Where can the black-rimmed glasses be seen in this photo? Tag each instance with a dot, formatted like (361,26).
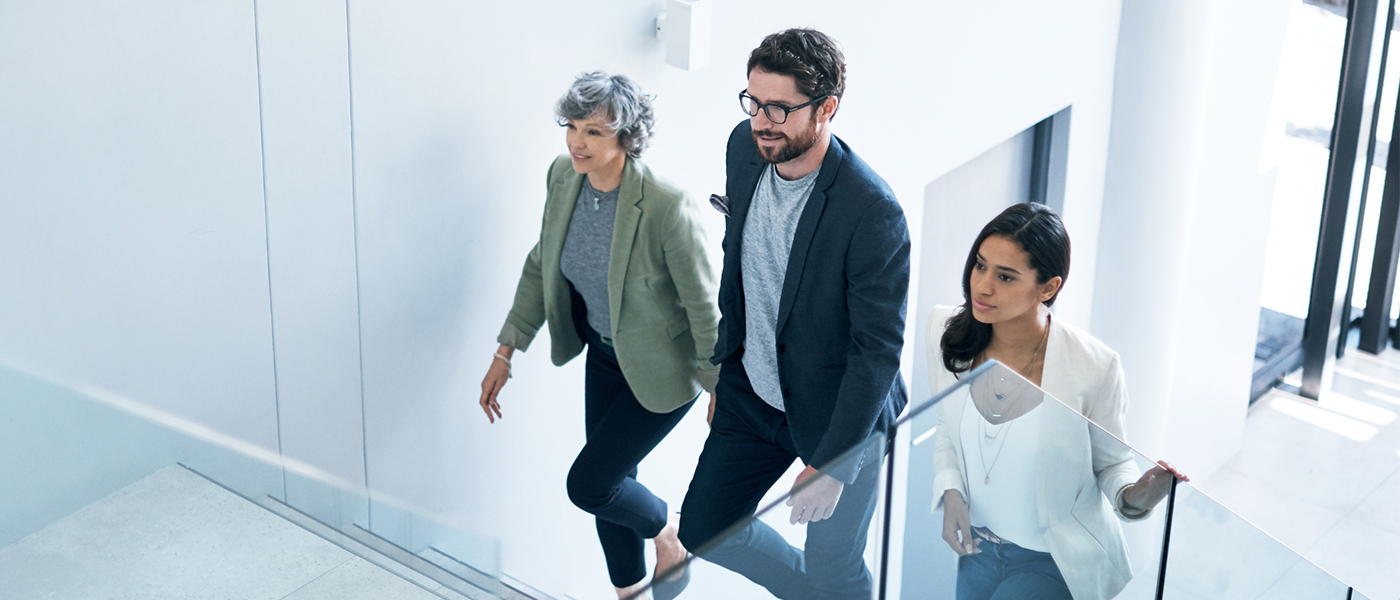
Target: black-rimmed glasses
(777,113)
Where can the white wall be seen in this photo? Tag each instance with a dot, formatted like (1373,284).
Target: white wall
(152,262)
(304,74)
(1188,194)
(133,253)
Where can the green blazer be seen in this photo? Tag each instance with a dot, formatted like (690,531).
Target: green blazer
(661,288)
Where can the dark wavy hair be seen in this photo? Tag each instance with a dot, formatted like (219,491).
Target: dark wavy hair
(810,57)
(1041,234)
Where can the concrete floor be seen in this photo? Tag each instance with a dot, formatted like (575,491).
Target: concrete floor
(174,535)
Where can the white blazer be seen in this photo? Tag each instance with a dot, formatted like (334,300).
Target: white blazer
(1073,458)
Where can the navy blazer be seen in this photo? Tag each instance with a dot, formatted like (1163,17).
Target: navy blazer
(841,313)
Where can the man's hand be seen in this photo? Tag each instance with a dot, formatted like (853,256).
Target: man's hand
(957,524)
(816,501)
(710,416)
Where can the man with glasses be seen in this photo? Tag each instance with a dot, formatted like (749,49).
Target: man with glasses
(812,300)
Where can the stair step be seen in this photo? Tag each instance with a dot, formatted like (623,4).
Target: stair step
(447,578)
(462,570)
(521,590)
(374,554)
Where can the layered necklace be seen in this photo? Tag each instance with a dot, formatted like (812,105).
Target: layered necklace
(992,434)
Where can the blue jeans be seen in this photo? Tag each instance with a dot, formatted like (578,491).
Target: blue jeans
(1006,571)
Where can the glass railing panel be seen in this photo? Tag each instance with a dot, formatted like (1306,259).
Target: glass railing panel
(62,452)
(1036,489)
(77,461)
(1214,553)
(770,555)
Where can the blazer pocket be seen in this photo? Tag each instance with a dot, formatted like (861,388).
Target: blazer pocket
(679,326)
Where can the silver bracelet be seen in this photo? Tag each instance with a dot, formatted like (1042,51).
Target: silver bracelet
(510,371)
(1127,510)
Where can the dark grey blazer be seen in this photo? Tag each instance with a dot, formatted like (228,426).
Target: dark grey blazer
(841,314)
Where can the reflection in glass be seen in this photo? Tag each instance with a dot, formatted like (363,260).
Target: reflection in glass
(1214,553)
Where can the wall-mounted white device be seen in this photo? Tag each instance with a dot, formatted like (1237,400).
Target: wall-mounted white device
(685,28)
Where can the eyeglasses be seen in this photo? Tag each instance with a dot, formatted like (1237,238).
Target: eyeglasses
(777,113)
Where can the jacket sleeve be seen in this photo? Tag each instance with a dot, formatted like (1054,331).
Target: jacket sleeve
(527,312)
(877,288)
(696,284)
(947,466)
(947,461)
(1114,466)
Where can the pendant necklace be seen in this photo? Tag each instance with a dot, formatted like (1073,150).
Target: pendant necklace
(989,438)
(593,193)
(1025,369)
(986,470)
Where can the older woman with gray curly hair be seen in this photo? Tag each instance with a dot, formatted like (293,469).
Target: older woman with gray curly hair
(620,269)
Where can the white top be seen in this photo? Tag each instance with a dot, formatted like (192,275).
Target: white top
(1000,471)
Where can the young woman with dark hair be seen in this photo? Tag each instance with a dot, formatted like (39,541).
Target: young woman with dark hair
(1059,542)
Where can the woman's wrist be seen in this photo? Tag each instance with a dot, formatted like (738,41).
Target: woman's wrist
(1126,504)
(503,355)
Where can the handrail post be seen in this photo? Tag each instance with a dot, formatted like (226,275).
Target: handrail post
(1166,539)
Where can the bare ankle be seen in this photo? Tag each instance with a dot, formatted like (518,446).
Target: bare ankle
(631,592)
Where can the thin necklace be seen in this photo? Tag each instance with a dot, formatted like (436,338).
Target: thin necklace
(593,193)
(987,471)
(983,424)
(1026,369)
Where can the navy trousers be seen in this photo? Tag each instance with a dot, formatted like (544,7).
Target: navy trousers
(603,479)
(748,449)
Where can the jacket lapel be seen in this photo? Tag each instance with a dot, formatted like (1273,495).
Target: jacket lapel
(806,228)
(559,210)
(739,204)
(629,215)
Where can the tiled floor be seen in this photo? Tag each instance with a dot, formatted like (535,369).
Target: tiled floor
(1324,478)
(175,535)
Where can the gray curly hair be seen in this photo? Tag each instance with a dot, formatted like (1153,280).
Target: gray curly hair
(618,99)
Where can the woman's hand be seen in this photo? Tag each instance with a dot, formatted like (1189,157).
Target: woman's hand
(1149,489)
(957,524)
(496,377)
(710,416)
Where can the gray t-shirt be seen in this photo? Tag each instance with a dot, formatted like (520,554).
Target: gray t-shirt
(777,205)
(587,248)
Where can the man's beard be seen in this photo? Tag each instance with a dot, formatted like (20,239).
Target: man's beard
(790,149)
